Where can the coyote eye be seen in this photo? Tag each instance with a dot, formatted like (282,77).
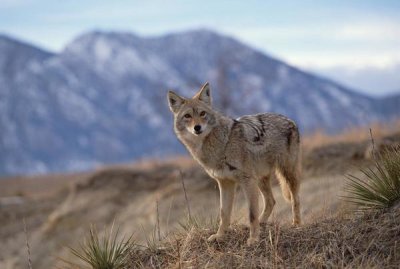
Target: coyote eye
(202,113)
(187,116)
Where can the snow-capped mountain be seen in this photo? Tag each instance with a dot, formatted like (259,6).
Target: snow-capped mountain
(103,98)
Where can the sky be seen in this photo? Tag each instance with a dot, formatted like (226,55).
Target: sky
(356,43)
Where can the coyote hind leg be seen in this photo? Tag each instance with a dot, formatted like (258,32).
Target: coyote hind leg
(269,202)
(292,180)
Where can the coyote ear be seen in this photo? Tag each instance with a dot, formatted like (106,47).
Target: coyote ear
(204,94)
(175,101)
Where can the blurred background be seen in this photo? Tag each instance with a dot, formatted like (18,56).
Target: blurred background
(86,135)
(84,83)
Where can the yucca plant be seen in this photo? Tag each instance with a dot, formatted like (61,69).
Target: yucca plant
(381,186)
(107,252)
(152,243)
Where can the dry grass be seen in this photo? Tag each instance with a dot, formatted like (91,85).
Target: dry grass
(58,215)
(350,135)
(369,241)
(345,241)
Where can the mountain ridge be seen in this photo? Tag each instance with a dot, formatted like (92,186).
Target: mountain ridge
(102,98)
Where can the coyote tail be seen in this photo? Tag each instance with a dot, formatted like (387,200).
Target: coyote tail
(284,185)
(289,171)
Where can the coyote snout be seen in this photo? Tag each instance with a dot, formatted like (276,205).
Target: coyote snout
(197,129)
(248,151)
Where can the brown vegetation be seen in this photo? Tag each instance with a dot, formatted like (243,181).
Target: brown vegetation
(59,215)
(368,241)
(351,135)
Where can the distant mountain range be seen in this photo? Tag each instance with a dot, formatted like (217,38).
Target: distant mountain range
(103,98)
(370,79)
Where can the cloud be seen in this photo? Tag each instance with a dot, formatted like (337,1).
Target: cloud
(348,31)
(356,44)
(351,59)
(378,31)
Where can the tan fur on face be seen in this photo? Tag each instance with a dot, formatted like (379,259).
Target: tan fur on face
(248,151)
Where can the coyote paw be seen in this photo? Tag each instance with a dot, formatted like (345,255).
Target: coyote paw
(252,241)
(296,222)
(215,237)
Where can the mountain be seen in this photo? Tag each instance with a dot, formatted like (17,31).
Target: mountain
(103,98)
(389,105)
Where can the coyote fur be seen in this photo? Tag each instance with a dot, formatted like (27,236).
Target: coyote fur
(248,151)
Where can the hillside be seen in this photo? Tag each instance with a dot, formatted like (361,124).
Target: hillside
(102,99)
(59,215)
(369,241)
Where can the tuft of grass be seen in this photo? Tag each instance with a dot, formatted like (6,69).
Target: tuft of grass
(152,243)
(106,252)
(381,186)
(199,223)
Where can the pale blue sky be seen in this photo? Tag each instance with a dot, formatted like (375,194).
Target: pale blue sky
(315,35)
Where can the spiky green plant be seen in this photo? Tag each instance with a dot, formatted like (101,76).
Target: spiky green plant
(106,252)
(152,243)
(381,186)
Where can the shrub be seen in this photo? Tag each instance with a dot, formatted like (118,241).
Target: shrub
(381,186)
(108,252)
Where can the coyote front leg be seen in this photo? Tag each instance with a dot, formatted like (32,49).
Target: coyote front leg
(226,195)
(251,191)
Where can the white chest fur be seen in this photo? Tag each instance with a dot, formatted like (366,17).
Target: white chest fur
(224,173)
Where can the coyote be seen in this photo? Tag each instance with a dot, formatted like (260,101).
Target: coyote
(248,151)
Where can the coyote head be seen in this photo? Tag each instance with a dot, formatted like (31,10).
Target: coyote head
(193,116)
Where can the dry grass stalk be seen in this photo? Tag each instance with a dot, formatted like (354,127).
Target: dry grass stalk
(186,198)
(28,249)
(158,222)
(373,143)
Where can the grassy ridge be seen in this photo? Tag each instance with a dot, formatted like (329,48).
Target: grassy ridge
(368,241)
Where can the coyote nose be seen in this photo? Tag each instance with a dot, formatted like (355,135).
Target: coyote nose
(197,128)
